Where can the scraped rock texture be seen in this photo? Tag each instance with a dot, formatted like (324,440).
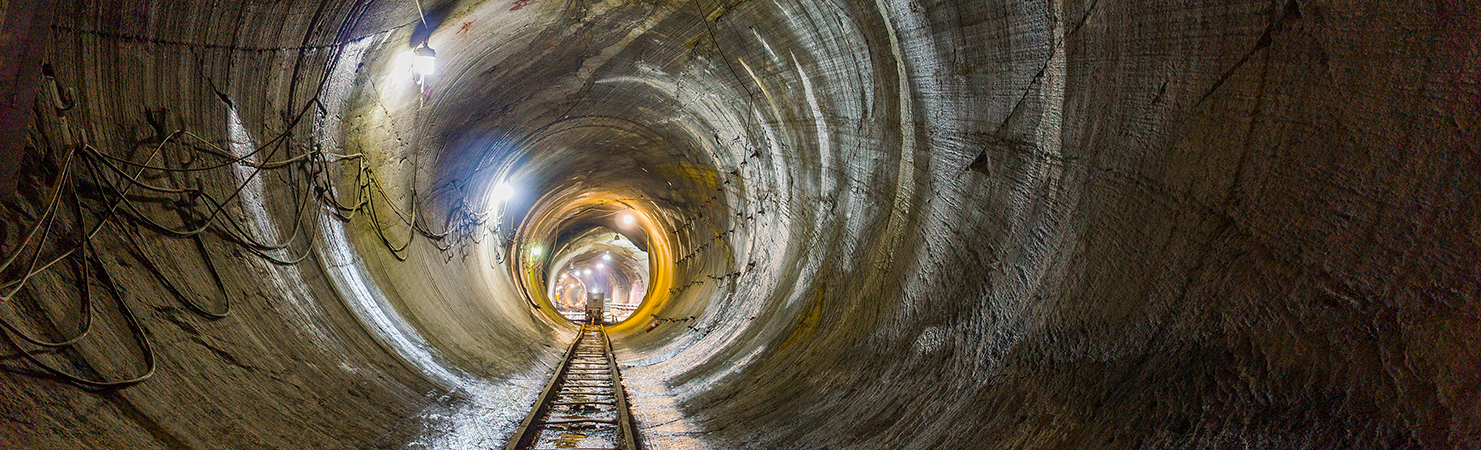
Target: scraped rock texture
(896,224)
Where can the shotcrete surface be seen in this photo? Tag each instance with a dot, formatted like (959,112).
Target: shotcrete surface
(870,224)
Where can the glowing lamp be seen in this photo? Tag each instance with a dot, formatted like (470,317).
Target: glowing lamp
(503,191)
(425,62)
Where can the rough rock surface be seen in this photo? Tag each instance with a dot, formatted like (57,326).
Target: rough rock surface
(874,223)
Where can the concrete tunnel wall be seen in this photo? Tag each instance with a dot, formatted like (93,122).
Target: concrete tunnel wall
(888,224)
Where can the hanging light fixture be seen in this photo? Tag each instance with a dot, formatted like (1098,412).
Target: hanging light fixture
(426,60)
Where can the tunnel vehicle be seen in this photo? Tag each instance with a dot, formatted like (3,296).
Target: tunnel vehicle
(596,309)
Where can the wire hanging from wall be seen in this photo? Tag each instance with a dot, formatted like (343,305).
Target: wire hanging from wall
(127,197)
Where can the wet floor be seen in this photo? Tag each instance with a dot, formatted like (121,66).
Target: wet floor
(487,414)
(480,415)
(660,425)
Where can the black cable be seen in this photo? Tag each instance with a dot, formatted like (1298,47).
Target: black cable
(308,179)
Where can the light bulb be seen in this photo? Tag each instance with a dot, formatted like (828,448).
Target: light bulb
(426,60)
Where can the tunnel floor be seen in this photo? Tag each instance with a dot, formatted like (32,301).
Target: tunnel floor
(585,403)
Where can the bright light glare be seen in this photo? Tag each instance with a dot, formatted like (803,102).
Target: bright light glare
(535,251)
(607,256)
(627,219)
(601,266)
(503,191)
(425,65)
(425,62)
(404,62)
(588,271)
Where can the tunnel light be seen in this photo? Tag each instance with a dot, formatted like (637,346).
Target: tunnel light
(535,251)
(627,219)
(503,191)
(601,266)
(607,256)
(426,60)
(588,271)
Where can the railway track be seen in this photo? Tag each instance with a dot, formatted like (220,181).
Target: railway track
(584,405)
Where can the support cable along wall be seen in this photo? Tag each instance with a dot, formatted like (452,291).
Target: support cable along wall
(92,189)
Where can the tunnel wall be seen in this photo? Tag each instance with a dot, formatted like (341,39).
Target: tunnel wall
(896,224)
(293,362)
(1096,226)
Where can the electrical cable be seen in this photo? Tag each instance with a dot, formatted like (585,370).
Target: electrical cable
(308,177)
(137,250)
(85,300)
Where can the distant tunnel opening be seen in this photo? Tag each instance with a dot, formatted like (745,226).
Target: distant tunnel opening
(601,262)
(611,242)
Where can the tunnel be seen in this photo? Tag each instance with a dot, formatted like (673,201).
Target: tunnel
(860,224)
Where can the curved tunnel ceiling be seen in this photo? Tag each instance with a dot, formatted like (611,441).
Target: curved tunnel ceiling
(870,224)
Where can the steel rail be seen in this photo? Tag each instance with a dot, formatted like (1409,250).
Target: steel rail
(576,392)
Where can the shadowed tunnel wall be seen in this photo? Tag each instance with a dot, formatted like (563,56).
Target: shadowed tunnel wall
(873,224)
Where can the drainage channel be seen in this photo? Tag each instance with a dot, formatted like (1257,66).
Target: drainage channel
(584,405)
